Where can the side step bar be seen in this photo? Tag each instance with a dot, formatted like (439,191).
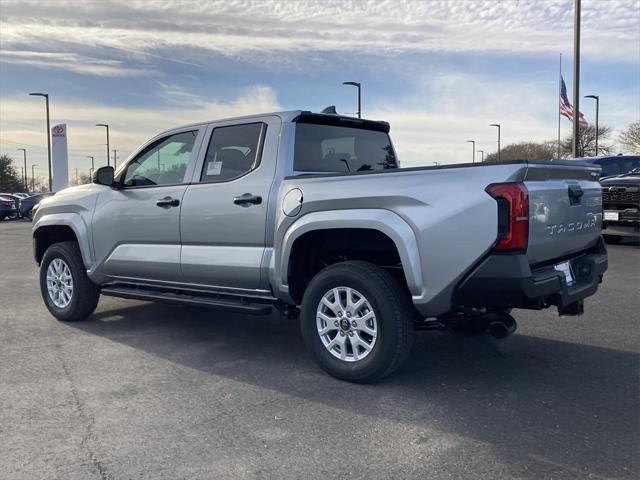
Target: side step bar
(232,305)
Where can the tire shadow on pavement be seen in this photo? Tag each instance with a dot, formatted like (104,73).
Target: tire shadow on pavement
(564,409)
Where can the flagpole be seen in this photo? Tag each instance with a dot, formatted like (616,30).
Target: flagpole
(576,79)
(559,94)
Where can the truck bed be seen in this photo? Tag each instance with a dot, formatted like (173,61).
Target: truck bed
(449,210)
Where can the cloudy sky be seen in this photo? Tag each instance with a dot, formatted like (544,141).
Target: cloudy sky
(438,71)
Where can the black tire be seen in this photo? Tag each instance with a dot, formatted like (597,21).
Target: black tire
(393,310)
(85,295)
(613,239)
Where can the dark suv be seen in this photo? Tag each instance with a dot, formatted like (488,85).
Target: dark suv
(621,205)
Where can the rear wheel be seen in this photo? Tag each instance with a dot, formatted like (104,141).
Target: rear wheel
(66,290)
(357,321)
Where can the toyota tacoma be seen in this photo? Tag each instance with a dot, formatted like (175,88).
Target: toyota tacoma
(311,214)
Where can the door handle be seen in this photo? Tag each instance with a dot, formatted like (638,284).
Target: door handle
(168,202)
(575,194)
(247,198)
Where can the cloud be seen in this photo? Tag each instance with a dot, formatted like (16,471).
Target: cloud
(71,62)
(21,122)
(455,107)
(433,107)
(251,29)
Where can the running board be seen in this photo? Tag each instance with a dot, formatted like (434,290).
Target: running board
(186,299)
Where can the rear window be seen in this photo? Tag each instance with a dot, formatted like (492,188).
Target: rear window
(331,148)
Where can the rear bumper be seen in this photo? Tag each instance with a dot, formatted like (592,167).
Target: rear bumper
(506,281)
(621,229)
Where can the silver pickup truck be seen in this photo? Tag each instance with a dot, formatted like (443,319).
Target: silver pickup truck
(311,214)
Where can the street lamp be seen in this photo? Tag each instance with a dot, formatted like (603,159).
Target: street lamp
(482,152)
(33,177)
(46,97)
(473,144)
(497,125)
(597,99)
(107,127)
(92,166)
(357,84)
(24,152)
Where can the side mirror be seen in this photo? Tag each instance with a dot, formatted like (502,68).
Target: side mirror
(103,176)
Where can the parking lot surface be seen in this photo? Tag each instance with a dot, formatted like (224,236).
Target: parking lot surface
(146,390)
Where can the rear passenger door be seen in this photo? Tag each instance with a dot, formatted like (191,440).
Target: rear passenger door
(224,210)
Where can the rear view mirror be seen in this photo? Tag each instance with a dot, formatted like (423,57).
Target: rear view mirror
(103,176)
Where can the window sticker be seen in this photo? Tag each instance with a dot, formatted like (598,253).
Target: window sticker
(214,168)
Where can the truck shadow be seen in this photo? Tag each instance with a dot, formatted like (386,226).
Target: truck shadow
(524,397)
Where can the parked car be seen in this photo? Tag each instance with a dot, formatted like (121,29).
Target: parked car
(613,165)
(27,204)
(7,207)
(16,200)
(621,204)
(311,214)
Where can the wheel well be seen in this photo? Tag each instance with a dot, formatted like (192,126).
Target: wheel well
(44,237)
(315,250)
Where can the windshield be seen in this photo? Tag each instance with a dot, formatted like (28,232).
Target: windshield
(331,148)
(617,165)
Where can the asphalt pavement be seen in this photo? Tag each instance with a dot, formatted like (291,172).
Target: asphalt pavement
(144,390)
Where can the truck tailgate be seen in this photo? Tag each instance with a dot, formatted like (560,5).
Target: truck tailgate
(565,209)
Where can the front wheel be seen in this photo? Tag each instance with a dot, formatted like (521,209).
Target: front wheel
(357,321)
(66,290)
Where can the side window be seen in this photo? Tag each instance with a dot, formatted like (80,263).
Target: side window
(233,151)
(163,162)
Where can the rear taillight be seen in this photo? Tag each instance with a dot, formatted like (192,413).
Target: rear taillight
(513,215)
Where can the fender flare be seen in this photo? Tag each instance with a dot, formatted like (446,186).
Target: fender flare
(73,221)
(384,221)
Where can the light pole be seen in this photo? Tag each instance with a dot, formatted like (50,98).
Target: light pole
(473,144)
(597,99)
(33,177)
(497,125)
(482,153)
(114,158)
(107,127)
(46,97)
(359,86)
(92,166)
(24,152)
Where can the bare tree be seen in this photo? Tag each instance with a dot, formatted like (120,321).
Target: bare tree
(630,138)
(525,151)
(587,142)
(83,178)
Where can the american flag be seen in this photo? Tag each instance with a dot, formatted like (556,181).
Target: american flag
(566,109)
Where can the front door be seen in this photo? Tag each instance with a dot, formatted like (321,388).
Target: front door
(225,208)
(136,228)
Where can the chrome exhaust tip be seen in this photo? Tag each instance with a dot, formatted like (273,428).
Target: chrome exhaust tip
(503,326)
